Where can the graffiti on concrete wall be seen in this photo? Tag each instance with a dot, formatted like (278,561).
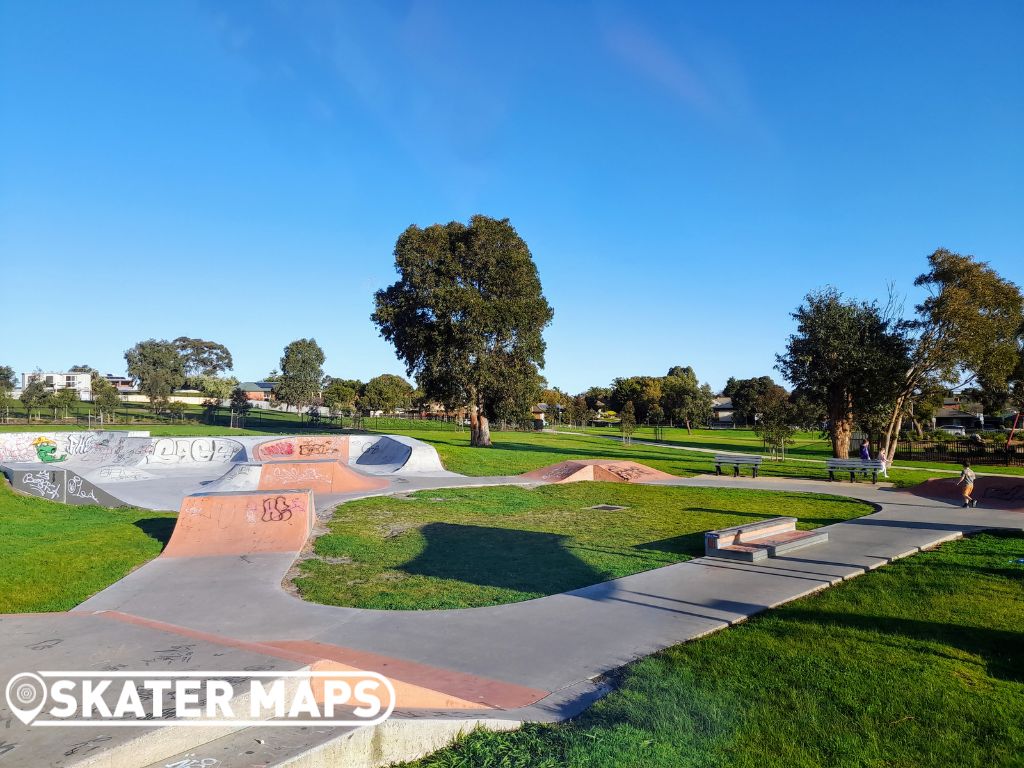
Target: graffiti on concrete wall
(295,474)
(47,450)
(76,488)
(41,484)
(303,448)
(172,450)
(279,448)
(279,509)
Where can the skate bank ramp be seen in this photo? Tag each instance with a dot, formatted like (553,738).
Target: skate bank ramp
(239,523)
(325,477)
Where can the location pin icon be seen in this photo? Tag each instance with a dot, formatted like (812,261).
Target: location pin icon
(26,695)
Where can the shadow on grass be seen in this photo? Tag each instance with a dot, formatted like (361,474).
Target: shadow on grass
(527,561)
(159,528)
(1002,650)
(688,544)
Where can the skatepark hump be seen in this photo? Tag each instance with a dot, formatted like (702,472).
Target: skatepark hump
(601,470)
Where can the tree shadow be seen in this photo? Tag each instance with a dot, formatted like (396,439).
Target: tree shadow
(527,561)
(688,544)
(159,528)
(1002,650)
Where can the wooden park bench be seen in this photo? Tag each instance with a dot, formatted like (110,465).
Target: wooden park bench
(737,461)
(853,466)
(756,541)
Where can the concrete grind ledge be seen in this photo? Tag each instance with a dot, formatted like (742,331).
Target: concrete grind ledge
(393,741)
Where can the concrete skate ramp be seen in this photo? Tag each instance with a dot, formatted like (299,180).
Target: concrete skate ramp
(607,471)
(324,477)
(386,454)
(303,448)
(219,524)
(374,454)
(55,447)
(56,483)
(999,492)
(128,451)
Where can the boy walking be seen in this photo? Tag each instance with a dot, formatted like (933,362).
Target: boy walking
(967,478)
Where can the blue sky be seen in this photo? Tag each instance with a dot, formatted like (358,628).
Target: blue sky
(683,173)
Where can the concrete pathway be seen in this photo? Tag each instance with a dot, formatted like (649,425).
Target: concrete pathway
(536,660)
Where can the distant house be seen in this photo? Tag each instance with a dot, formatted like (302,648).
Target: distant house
(257,390)
(957,413)
(121,383)
(80,382)
(722,412)
(539,413)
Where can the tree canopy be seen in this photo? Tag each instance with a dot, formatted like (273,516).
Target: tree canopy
(386,393)
(466,316)
(340,395)
(202,357)
(968,329)
(158,369)
(302,374)
(745,394)
(845,356)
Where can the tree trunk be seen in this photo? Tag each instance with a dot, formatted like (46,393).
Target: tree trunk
(841,424)
(479,427)
(688,430)
(892,431)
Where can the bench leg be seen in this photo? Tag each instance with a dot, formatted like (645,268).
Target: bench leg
(736,470)
(874,476)
(718,469)
(831,475)
(755,470)
(853,476)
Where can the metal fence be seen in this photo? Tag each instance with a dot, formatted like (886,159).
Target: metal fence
(958,451)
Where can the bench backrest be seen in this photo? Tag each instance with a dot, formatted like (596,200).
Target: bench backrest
(738,459)
(854,464)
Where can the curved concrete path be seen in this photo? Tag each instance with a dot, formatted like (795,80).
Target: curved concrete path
(536,660)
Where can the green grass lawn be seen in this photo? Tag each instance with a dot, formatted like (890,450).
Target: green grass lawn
(460,548)
(53,556)
(920,663)
(807,447)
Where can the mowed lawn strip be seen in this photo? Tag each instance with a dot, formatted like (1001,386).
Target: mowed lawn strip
(920,663)
(460,548)
(53,556)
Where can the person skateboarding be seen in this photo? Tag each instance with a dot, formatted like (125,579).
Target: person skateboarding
(967,478)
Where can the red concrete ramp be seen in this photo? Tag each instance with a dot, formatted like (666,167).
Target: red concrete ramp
(323,477)
(242,523)
(601,470)
(1000,492)
(303,449)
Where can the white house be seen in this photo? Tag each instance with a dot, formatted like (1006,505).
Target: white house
(81,382)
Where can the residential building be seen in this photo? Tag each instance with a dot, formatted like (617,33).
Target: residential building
(53,380)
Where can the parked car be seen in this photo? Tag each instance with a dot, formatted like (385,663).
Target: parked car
(958,431)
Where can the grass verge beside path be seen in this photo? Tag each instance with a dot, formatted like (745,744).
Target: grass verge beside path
(53,556)
(920,663)
(461,548)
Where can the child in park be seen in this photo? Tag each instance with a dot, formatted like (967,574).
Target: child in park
(967,478)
